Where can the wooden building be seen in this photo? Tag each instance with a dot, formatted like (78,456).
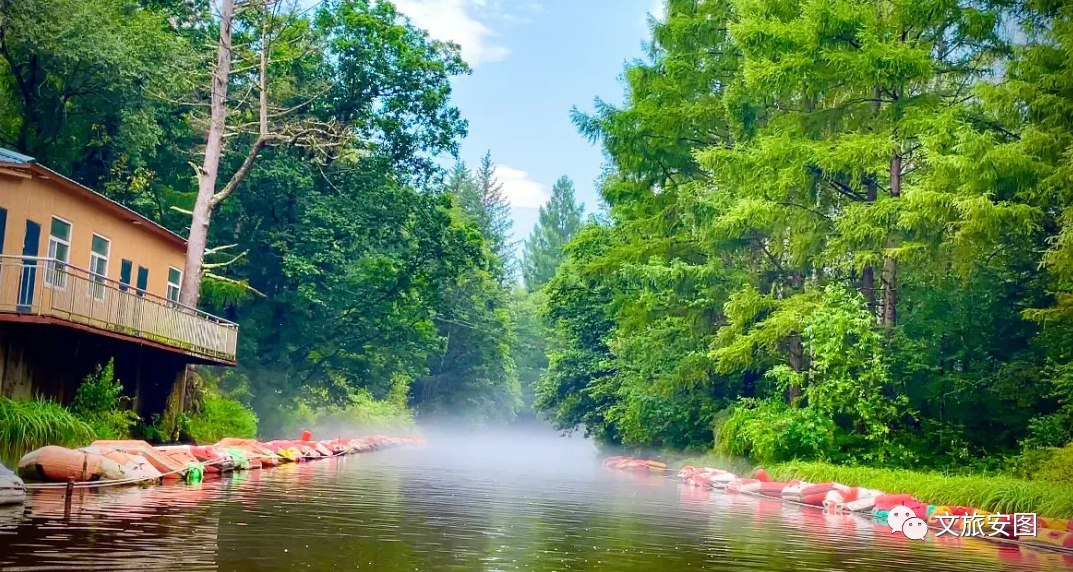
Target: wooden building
(84,279)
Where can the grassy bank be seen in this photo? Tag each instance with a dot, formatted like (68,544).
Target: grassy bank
(991,493)
(27,425)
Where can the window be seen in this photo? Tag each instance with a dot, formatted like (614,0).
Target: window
(28,280)
(125,268)
(98,264)
(143,279)
(59,253)
(175,280)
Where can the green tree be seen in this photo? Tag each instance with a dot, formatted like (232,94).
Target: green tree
(482,200)
(83,85)
(560,220)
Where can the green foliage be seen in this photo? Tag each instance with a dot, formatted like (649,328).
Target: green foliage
(100,402)
(530,347)
(28,425)
(990,493)
(221,416)
(770,431)
(831,213)
(360,413)
(479,196)
(1058,467)
(81,84)
(560,220)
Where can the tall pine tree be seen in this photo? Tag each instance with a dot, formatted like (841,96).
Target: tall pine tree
(560,220)
(484,203)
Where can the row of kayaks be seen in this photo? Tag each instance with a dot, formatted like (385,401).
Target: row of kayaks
(133,461)
(839,498)
(632,464)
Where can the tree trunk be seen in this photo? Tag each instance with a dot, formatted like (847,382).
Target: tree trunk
(868,275)
(871,189)
(199,224)
(890,266)
(796,349)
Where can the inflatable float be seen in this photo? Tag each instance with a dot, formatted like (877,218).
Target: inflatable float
(835,498)
(60,464)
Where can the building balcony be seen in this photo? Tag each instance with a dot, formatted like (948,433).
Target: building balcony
(44,290)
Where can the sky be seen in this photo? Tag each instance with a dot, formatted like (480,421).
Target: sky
(532,61)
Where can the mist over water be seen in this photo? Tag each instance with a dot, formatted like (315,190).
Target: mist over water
(471,499)
(538,452)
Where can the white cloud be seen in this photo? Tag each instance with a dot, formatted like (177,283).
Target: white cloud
(520,189)
(658,9)
(456,21)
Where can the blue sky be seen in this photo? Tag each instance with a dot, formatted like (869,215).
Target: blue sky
(532,61)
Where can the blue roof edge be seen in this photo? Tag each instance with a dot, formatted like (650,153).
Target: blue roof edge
(9,156)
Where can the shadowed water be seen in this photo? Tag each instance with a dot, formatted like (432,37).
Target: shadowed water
(506,502)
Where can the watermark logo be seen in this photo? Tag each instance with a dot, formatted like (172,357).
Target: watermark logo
(904,520)
(988,525)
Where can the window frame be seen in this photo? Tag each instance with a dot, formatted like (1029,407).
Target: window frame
(129,266)
(97,291)
(178,286)
(138,285)
(51,267)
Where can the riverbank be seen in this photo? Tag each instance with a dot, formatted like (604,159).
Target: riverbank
(992,493)
(996,493)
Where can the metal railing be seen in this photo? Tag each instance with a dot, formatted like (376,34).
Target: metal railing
(39,286)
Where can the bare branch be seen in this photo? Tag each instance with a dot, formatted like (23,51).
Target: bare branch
(219,249)
(227,263)
(232,281)
(240,174)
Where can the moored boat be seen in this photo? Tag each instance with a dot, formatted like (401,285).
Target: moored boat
(168,467)
(54,463)
(133,466)
(255,451)
(211,460)
(12,489)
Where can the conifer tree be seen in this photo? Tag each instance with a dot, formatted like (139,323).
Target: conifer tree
(560,220)
(483,202)
(838,99)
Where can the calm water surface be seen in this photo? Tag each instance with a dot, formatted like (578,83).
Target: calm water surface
(506,502)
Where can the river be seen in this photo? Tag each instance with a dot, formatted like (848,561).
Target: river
(487,502)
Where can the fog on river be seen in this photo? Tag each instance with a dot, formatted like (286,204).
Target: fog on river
(489,499)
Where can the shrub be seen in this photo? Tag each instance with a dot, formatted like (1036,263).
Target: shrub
(360,413)
(101,404)
(772,431)
(28,425)
(363,412)
(1057,466)
(220,417)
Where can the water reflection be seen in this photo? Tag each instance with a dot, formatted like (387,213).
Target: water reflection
(465,502)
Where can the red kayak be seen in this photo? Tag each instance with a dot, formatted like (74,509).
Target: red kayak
(774,489)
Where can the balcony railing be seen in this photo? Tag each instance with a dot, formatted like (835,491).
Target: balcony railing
(36,286)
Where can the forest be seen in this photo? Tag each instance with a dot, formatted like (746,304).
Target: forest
(838,230)
(835,230)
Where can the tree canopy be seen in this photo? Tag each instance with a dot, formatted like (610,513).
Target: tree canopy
(559,221)
(827,210)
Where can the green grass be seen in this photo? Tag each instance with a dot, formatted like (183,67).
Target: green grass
(991,493)
(28,425)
